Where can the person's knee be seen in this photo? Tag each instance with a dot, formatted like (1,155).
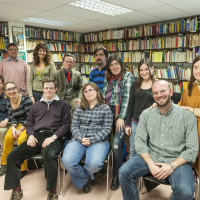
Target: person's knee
(123,172)
(94,167)
(69,163)
(186,192)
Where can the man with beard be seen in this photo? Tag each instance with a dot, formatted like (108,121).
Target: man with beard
(166,143)
(98,73)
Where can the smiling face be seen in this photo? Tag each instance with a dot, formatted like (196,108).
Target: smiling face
(42,53)
(68,63)
(145,72)
(196,70)
(11,91)
(12,52)
(90,94)
(115,68)
(49,90)
(161,93)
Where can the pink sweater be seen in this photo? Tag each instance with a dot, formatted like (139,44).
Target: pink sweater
(17,72)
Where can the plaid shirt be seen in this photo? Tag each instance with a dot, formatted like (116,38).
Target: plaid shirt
(167,136)
(94,124)
(127,81)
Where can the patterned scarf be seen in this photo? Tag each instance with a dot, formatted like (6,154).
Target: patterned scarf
(109,93)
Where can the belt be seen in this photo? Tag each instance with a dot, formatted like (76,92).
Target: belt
(46,130)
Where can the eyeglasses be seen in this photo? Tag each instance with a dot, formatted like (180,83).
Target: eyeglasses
(161,92)
(11,89)
(88,91)
(12,49)
(101,54)
(69,62)
(49,88)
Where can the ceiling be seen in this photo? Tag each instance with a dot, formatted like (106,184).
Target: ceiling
(83,21)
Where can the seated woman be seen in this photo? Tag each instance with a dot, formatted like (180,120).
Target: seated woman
(18,108)
(40,69)
(91,125)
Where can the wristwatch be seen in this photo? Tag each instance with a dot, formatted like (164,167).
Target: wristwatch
(54,137)
(172,166)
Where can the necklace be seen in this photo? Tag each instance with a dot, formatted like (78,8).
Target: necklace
(40,72)
(17,100)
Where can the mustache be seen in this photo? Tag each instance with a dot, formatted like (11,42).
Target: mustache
(99,59)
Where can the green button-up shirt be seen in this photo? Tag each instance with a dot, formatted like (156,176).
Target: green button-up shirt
(168,136)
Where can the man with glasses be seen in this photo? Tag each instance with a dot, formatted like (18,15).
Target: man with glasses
(166,143)
(14,69)
(69,82)
(48,121)
(97,75)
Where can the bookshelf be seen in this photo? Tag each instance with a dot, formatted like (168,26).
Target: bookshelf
(58,42)
(4,39)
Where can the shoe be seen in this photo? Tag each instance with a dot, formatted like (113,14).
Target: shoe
(99,176)
(52,196)
(87,187)
(16,195)
(2,170)
(23,173)
(115,183)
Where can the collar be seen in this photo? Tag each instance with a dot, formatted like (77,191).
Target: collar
(66,72)
(104,69)
(98,104)
(197,82)
(168,112)
(9,59)
(55,99)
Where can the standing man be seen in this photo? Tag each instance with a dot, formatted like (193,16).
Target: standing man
(69,82)
(48,121)
(166,142)
(14,69)
(97,75)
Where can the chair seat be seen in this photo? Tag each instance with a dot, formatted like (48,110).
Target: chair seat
(151,178)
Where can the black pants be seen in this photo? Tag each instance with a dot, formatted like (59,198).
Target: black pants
(23,152)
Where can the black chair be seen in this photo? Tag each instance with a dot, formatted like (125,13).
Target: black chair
(150,182)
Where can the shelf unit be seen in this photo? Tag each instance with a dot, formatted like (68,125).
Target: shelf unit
(4,39)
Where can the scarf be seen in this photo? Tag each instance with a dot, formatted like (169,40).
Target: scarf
(109,93)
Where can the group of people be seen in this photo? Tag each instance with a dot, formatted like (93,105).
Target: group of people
(45,106)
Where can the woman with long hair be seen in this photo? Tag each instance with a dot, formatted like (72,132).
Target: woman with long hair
(18,108)
(40,69)
(91,126)
(140,98)
(190,98)
(116,89)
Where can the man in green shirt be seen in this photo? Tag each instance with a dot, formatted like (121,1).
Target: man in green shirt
(166,142)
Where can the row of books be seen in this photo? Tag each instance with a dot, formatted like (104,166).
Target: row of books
(87,58)
(3,43)
(40,33)
(85,79)
(3,28)
(191,24)
(86,69)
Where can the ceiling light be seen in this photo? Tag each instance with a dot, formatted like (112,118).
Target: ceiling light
(46,21)
(100,6)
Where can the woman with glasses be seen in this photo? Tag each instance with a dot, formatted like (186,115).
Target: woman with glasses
(140,98)
(116,89)
(91,126)
(18,108)
(40,69)
(190,98)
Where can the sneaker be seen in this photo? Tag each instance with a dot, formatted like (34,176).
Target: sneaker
(52,196)
(23,173)
(2,170)
(16,195)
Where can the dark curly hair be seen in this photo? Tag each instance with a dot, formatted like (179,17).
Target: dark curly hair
(47,59)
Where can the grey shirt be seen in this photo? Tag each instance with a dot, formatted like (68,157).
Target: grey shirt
(168,136)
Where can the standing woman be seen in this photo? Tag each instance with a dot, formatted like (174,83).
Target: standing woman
(18,108)
(190,98)
(116,89)
(40,69)
(91,126)
(140,99)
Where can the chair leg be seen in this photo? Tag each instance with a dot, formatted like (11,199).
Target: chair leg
(58,181)
(63,183)
(108,173)
(36,164)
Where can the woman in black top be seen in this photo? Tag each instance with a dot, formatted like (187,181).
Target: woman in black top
(140,98)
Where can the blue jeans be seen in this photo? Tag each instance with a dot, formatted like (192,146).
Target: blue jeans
(94,158)
(132,138)
(181,180)
(37,95)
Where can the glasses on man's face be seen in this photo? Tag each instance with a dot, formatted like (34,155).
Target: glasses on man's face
(88,91)
(69,62)
(49,88)
(12,49)
(100,54)
(10,89)
(160,92)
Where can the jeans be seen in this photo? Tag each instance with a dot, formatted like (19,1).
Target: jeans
(94,158)
(37,95)
(132,138)
(23,152)
(181,180)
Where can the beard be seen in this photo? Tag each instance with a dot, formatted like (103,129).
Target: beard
(165,103)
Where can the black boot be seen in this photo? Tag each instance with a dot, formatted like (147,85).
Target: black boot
(115,183)
(87,186)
